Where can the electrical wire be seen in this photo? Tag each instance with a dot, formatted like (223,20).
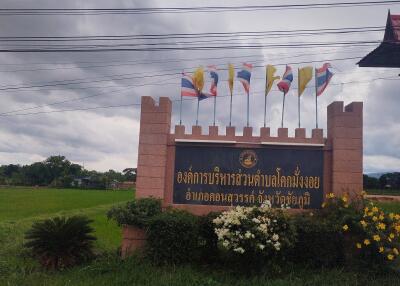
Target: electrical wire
(196,9)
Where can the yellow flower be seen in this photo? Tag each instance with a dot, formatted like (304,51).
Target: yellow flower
(346,205)
(381,249)
(344,199)
(397,216)
(390,256)
(391,235)
(363,223)
(358,245)
(330,195)
(375,209)
(381,225)
(345,227)
(367,242)
(381,217)
(377,237)
(366,209)
(374,218)
(397,228)
(395,251)
(323,205)
(370,214)
(391,215)
(390,240)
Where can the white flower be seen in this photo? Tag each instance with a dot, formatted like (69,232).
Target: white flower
(248,234)
(225,243)
(277,246)
(239,250)
(266,204)
(261,246)
(256,220)
(275,237)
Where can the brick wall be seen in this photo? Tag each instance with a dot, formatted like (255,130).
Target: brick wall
(155,124)
(345,136)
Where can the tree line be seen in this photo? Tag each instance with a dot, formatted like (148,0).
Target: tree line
(385,181)
(57,171)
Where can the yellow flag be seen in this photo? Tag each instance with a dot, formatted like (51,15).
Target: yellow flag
(305,75)
(198,79)
(270,78)
(231,71)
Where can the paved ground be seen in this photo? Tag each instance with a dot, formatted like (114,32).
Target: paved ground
(384,198)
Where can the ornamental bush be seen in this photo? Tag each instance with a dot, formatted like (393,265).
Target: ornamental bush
(319,243)
(377,234)
(61,242)
(136,213)
(207,239)
(173,238)
(365,233)
(255,233)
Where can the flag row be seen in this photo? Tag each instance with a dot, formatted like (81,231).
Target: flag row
(193,84)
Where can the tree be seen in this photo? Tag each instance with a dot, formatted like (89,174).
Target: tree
(370,182)
(130,174)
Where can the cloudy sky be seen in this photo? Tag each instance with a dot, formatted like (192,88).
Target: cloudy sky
(34,86)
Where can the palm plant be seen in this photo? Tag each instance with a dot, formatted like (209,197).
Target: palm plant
(61,241)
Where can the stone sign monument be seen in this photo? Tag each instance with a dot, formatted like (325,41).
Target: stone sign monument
(212,172)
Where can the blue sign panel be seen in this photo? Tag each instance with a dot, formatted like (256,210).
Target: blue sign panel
(221,175)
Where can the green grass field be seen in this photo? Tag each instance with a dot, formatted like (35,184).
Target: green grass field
(20,207)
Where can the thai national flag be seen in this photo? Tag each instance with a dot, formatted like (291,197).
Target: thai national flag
(187,86)
(287,78)
(323,77)
(244,76)
(214,82)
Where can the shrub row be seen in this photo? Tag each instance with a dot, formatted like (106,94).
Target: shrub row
(248,236)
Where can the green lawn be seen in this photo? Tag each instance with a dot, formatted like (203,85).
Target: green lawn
(20,203)
(20,207)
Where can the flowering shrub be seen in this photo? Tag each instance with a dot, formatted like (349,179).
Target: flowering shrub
(381,232)
(255,230)
(374,234)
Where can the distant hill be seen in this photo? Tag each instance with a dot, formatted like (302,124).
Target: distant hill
(376,175)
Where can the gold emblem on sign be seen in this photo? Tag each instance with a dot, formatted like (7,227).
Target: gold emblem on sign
(248,158)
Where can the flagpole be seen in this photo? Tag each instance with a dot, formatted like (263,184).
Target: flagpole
(180,112)
(180,107)
(230,112)
(265,107)
(283,107)
(215,107)
(316,100)
(197,115)
(299,110)
(248,108)
(298,93)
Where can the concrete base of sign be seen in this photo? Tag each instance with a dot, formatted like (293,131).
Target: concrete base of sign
(342,149)
(133,240)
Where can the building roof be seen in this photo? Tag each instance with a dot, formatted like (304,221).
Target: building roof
(387,54)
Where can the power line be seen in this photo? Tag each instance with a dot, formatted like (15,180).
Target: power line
(126,88)
(111,48)
(142,76)
(173,100)
(197,9)
(138,62)
(196,35)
